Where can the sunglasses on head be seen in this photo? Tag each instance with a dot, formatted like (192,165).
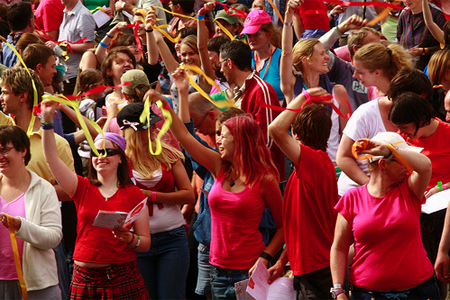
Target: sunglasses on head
(105,152)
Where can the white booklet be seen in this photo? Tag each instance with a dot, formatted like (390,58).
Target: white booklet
(437,202)
(100,17)
(114,219)
(281,289)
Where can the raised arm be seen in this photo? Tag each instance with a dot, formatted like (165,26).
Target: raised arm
(420,177)
(435,30)
(62,173)
(347,163)
(79,135)
(202,41)
(153,54)
(287,79)
(279,129)
(169,61)
(100,51)
(204,156)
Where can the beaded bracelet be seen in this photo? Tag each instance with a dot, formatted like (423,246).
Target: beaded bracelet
(103,44)
(138,242)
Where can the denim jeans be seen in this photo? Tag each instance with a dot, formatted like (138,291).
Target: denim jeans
(165,266)
(204,271)
(223,280)
(63,270)
(426,290)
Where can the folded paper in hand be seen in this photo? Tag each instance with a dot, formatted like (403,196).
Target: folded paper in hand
(114,219)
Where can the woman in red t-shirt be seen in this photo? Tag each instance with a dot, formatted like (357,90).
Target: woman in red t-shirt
(105,260)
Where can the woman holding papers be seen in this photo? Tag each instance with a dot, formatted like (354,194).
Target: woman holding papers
(105,260)
(163,179)
(34,207)
(246,182)
(382,217)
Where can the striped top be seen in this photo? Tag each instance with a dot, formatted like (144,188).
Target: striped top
(410,36)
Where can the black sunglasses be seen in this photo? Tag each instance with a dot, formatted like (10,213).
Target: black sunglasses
(105,152)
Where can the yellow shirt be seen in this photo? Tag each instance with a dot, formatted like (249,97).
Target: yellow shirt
(6,120)
(38,164)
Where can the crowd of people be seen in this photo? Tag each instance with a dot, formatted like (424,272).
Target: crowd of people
(299,134)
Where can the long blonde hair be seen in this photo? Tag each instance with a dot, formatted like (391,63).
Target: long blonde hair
(142,161)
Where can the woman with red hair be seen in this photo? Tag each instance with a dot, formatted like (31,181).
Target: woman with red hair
(246,182)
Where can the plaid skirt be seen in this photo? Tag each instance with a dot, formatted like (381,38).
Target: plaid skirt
(117,281)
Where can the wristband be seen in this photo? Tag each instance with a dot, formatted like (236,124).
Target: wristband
(167,106)
(103,44)
(111,37)
(138,242)
(288,23)
(132,239)
(153,196)
(200,17)
(441,186)
(266,255)
(47,127)
(423,51)
(308,97)
(151,30)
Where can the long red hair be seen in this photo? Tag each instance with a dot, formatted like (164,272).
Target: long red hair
(252,158)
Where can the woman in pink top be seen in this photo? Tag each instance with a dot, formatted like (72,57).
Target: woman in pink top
(246,182)
(383,219)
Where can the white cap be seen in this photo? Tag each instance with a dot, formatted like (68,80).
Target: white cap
(396,140)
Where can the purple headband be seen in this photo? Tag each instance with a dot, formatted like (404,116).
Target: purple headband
(115,138)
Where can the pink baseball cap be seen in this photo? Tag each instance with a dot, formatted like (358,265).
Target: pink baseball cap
(254,21)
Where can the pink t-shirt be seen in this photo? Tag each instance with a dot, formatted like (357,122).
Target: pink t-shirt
(49,15)
(389,250)
(7,265)
(236,242)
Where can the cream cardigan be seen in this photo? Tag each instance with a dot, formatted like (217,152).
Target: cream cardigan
(41,231)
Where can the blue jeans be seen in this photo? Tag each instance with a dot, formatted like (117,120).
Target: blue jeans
(204,271)
(223,280)
(426,290)
(165,266)
(63,270)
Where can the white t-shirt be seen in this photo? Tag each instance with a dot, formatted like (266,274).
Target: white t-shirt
(366,122)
